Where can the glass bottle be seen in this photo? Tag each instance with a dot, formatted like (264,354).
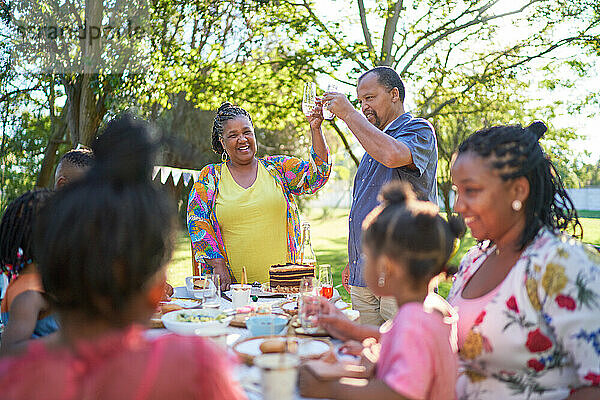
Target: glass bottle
(307,254)
(326,280)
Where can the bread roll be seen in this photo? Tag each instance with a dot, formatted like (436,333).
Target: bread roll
(272,346)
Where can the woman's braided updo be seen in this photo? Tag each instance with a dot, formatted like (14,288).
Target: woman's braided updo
(226,112)
(515,151)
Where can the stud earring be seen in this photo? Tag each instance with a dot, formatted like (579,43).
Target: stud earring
(517,205)
(224,156)
(381,280)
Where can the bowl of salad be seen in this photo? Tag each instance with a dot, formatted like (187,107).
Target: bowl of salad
(188,322)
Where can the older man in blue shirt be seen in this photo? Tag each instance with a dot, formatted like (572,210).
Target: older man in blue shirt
(398,146)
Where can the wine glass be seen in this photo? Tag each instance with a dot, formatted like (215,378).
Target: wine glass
(212,292)
(326,280)
(326,113)
(309,98)
(308,304)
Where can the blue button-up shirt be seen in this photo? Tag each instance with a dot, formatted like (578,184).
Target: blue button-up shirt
(419,136)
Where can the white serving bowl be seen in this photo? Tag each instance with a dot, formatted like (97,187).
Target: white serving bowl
(170,322)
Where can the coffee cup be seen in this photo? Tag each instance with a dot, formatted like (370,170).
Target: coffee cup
(240,295)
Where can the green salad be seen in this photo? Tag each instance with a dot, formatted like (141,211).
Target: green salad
(185,317)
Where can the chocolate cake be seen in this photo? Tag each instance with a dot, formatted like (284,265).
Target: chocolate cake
(287,277)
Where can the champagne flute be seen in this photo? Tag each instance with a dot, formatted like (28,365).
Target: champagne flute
(326,113)
(309,98)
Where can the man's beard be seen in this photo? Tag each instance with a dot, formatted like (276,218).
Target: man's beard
(377,122)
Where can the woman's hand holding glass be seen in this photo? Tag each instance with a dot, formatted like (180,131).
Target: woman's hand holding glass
(220,268)
(315,117)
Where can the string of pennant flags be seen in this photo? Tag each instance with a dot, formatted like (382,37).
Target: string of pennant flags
(163,173)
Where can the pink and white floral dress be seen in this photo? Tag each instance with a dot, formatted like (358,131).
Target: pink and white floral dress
(539,336)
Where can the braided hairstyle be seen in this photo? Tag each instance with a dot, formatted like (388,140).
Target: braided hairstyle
(16,238)
(411,230)
(515,151)
(226,112)
(106,236)
(79,158)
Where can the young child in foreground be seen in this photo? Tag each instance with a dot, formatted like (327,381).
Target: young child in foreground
(405,243)
(102,245)
(25,310)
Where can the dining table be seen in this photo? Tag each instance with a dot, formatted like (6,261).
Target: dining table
(249,376)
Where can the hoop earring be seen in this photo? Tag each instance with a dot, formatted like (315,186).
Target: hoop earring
(517,205)
(224,156)
(381,280)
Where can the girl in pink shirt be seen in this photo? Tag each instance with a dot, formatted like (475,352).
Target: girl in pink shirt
(102,245)
(405,243)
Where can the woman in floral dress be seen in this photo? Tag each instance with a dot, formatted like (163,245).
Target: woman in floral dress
(528,296)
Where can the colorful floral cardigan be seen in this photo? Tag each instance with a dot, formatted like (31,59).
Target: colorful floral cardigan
(539,337)
(293,175)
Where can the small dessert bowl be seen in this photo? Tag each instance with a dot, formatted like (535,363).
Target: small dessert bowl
(263,325)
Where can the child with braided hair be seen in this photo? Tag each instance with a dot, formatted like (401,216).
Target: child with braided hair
(25,310)
(405,244)
(102,245)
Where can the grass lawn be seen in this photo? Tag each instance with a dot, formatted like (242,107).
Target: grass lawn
(329,234)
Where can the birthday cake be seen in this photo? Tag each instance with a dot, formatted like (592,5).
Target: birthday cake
(287,277)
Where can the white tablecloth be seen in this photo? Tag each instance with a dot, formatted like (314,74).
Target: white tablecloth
(248,376)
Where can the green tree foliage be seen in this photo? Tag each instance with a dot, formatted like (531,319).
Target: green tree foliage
(191,56)
(454,81)
(22,153)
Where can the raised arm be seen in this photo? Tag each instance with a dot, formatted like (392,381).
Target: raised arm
(315,119)
(383,148)
(302,177)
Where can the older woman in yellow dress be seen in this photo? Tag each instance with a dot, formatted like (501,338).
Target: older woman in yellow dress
(242,211)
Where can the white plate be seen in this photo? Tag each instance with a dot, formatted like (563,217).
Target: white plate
(185,303)
(307,348)
(189,328)
(290,306)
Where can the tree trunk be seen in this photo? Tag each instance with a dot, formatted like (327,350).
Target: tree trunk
(59,127)
(89,118)
(91,49)
(389,32)
(85,108)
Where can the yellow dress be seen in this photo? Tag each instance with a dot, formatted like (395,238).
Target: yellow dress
(253,224)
